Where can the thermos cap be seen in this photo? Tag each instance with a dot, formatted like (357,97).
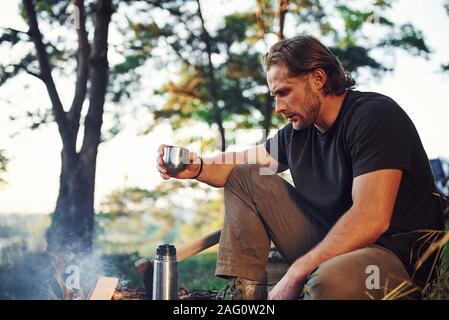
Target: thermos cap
(166,250)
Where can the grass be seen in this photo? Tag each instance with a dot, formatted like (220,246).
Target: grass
(440,288)
(195,273)
(198,273)
(25,268)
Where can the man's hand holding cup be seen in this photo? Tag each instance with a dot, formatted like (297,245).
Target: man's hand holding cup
(178,162)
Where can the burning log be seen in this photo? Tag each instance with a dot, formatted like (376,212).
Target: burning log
(184,294)
(129,294)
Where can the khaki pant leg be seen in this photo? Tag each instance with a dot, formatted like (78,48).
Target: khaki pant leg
(353,276)
(260,208)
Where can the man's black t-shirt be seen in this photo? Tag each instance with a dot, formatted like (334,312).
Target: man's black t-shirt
(371,132)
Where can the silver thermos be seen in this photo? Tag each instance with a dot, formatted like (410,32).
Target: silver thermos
(165,276)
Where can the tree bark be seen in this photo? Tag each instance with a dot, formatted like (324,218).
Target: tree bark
(268,106)
(71,230)
(262,30)
(283,8)
(267,115)
(45,71)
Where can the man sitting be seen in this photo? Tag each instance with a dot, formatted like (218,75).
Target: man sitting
(363,195)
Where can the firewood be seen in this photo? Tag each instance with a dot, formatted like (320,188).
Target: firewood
(145,269)
(105,288)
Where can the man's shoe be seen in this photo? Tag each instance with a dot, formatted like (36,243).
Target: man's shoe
(244,289)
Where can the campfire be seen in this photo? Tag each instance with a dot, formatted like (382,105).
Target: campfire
(109,288)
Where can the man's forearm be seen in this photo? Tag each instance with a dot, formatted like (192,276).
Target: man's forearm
(353,231)
(217,169)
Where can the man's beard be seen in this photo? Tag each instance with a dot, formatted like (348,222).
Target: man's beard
(311,110)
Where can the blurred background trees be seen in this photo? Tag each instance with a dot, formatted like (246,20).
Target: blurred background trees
(219,78)
(233,82)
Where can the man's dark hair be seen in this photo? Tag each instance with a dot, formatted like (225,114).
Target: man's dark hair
(303,54)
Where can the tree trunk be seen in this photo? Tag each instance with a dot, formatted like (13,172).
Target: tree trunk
(72,228)
(222,133)
(267,115)
(217,112)
(283,8)
(280,14)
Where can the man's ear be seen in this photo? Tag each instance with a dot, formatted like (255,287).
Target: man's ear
(319,78)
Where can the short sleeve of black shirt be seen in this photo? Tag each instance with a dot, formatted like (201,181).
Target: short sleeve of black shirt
(278,146)
(380,136)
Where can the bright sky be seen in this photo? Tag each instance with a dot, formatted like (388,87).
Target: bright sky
(33,173)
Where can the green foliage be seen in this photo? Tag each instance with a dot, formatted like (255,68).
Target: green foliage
(353,19)
(207,216)
(235,29)
(62,50)
(439,289)
(11,36)
(24,63)
(124,76)
(409,39)
(355,57)
(141,233)
(309,11)
(198,273)
(56,10)
(135,219)
(178,40)
(239,77)
(129,200)
(21,234)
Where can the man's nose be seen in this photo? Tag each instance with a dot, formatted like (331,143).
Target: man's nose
(278,106)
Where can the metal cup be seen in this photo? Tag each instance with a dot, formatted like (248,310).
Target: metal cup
(176,159)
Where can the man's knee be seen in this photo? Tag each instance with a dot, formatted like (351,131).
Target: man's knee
(355,276)
(331,282)
(252,175)
(244,170)
(242,175)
